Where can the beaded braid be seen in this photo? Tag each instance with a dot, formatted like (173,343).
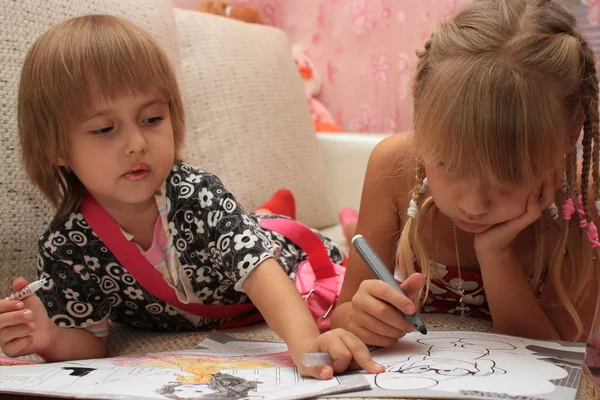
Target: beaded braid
(570,174)
(553,209)
(419,189)
(595,172)
(590,142)
(423,68)
(421,179)
(410,247)
(410,242)
(585,173)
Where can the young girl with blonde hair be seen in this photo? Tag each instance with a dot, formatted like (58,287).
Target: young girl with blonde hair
(483,210)
(140,237)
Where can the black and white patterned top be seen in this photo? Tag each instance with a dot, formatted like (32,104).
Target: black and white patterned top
(218,244)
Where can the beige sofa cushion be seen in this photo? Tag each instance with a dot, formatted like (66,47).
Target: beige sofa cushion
(23,212)
(248,121)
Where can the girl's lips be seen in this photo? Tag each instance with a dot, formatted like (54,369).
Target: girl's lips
(471,225)
(139,166)
(138,172)
(136,175)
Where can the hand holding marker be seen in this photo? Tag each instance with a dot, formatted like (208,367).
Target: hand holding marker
(366,252)
(27,290)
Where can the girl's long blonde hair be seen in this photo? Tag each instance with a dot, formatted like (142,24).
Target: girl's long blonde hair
(495,91)
(67,69)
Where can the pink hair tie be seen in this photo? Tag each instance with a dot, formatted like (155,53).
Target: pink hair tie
(582,220)
(568,209)
(592,235)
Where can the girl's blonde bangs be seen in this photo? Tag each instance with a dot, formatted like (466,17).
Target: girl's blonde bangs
(485,119)
(100,61)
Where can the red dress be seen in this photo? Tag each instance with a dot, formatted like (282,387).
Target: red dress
(444,297)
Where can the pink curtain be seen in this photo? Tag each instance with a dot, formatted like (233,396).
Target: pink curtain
(364,51)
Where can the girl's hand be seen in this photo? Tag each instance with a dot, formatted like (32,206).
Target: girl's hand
(496,240)
(25,327)
(374,317)
(343,347)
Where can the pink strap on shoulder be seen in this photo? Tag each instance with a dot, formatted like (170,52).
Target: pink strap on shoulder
(136,264)
(307,240)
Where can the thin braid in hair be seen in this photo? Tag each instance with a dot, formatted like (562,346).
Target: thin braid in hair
(585,168)
(568,207)
(416,192)
(571,175)
(590,108)
(595,172)
(590,137)
(413,208)
(410,241)
(423,60)
(422,69)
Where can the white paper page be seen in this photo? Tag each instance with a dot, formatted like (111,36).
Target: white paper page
(477,366)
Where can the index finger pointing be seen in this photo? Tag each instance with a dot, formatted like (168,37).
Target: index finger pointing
(361,354)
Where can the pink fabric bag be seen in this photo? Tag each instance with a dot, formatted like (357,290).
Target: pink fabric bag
(318,279)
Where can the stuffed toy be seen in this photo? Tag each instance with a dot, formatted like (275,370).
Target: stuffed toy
(226,9)
(322,119)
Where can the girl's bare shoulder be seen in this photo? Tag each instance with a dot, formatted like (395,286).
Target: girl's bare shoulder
(394,159)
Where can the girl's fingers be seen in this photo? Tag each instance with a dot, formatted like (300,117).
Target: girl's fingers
(370,337)
(14,332)
(532,212)
(19,283)
(378,326)
(8,306)
(360,354)
(383,302)
(323,372)
(11,318)
(548,195)
(17,347)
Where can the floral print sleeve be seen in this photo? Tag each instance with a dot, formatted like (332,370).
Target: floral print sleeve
(72,295)
(217,226)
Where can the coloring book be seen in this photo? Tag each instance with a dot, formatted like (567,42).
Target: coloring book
(475,365)
(441,364)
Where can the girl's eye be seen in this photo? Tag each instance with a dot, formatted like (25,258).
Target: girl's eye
(152,120)
(102,131)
